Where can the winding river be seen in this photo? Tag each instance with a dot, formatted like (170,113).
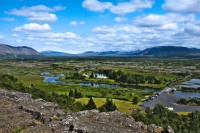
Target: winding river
(55,80)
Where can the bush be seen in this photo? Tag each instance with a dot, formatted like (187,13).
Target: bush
(91,104)
(135,100)
(108,106)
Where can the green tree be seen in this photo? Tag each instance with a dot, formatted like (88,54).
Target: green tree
(135,100)
(108,106)
(71,93)
(195,121)
(91,104)
(77,94)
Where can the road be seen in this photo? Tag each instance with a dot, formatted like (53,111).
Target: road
(169,101)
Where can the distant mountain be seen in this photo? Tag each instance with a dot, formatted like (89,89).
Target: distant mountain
(10,50)
(109,53)
(160,51)
(169,51)
(55,53)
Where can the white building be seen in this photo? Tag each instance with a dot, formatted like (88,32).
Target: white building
(170,108)
(99,76)
(87,76)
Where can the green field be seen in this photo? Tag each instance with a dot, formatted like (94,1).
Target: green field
(29,72)
(123,106)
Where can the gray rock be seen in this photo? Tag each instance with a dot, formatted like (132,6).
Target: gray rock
(170,130)
(20,110)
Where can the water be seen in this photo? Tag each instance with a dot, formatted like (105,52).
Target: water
(52,79)
(186,94)
(55,79)
(193,83)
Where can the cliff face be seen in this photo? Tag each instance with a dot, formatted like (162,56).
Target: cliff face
(9,50)
(19,112)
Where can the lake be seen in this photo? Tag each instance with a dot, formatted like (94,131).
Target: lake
(193,83)
(55,79)
(186,95)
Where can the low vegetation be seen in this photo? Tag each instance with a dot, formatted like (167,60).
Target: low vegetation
(163,117)
(191,102)
(64,101)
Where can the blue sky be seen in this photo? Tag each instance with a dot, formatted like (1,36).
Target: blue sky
(75,26)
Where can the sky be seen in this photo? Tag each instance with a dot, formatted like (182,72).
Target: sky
(76,26)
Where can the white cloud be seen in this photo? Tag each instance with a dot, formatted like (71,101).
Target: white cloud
(120,19)
(75,23)
(96,6)
(121,8)
(155,20)
(169,26)
(24,11)
(1,36)
(42,16)
(124,29)
(37,13)
(33,27)
(65,41)
(67,35)
(191,6)
(132,6)
(139,37)
(103,29)
(14,35)
(7,19)
(193,29)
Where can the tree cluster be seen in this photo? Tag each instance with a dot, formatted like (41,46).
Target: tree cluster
(108,106)
(75,93)
(161,116)
(90,105)
(75,76)
(120,76)
(135,100)
(192,101)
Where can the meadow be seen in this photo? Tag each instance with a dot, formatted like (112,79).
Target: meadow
(152,73)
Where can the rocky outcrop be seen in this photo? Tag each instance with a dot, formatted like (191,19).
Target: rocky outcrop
(22,113)
(10,50)
(170,130)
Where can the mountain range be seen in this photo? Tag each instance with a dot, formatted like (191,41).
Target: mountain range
(161,51)
(23,50)
(55,53)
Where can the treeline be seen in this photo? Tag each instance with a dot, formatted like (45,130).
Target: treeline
(161,116)
(193,101)
(75,94)
(75,76)
(64,101)
(120,76)
(190,89)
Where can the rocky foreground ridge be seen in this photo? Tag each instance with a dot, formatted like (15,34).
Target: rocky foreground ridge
(19,112)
